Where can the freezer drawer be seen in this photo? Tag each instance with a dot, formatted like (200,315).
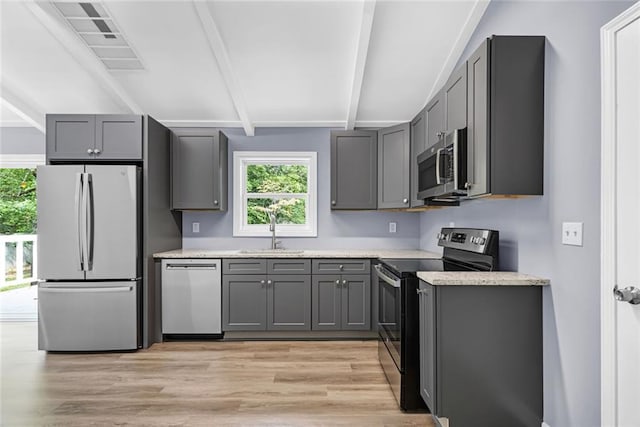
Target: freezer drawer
(88,316)
(191,296)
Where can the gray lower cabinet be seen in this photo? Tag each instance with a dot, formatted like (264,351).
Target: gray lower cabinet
(354,169)
(481,354)
(341,302)
(393,167)
(259,301)
(199,169)
(100,137)
(341,294)
(505,113)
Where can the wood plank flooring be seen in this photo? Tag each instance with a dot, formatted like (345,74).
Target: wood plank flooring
(250,383)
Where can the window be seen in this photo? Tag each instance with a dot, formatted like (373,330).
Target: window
(282,183)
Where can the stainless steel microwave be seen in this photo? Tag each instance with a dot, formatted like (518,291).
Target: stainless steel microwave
(442,168)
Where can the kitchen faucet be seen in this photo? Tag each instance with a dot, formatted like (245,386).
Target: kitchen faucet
(272,229)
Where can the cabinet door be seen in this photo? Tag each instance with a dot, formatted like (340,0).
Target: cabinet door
(435,118)
(356,302)
(477,126)
(196,175)
(354,170)
(393,167)
(427,345)
(289,302)
(325,294)
(418,145)
(70,136)
(455,100)
(118,137)
(244,302)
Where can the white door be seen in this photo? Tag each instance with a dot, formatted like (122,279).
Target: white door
(621,220)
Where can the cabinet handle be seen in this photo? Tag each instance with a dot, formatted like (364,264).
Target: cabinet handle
(262,282)
(96,151)
(344,282)
(405,200)
(269,282)
(333,203)
(467,185)
(421,291)
(215,202)
(338,282)
(89,151)
(341,267)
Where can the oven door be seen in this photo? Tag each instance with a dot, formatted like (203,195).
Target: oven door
(390,313)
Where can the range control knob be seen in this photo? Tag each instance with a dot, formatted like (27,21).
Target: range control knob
(481,240)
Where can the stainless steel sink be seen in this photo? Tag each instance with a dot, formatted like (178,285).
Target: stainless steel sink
(270,251)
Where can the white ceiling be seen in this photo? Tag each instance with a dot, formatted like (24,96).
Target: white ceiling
(238,63)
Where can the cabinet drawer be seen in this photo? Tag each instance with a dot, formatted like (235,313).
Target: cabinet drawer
(342,266)
(289,266)
(244,266)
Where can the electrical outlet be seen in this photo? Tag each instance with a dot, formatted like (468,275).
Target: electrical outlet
(392,227)
(195,227)
(572,233)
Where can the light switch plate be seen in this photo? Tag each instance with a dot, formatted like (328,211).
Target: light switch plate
(392,227)
(195,227)
(572,233)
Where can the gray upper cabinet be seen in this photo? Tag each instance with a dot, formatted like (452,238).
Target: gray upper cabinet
(393,167)
(198,169)
(418,135)
(435,118)
(505,114)
(118,137)
(455,100)
(354,169)
(94,137)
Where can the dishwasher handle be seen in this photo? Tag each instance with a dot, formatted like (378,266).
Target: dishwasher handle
(179,266)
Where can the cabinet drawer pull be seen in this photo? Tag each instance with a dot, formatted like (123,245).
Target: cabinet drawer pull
(338,282)
(344,282)
(97,151)
(89,151)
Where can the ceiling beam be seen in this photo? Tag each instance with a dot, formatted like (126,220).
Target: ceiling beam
(366,24)
(52,20)
(219,51)
(459,45)
(22,108)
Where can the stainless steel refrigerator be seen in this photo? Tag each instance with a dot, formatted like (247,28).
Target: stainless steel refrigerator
(89,234)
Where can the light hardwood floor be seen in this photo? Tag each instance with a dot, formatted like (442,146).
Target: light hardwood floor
(277,383)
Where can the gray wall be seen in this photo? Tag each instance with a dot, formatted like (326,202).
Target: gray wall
(355,229)
(531,228)
(21,140)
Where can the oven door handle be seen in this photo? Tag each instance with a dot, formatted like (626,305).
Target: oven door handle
(393,282)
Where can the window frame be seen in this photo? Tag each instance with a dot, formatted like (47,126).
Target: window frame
(241,159)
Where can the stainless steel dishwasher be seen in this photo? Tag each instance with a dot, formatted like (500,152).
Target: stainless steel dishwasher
(191,296)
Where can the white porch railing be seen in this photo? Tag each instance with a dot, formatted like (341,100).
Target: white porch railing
(18,265)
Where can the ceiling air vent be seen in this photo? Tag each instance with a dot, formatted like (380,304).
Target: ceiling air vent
(96,27)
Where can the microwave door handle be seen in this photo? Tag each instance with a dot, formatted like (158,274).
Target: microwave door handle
(438,165)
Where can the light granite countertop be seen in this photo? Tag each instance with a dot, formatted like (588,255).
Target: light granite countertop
(480,278)
(292,253)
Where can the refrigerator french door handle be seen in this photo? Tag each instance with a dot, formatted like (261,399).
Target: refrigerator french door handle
(89,206)
(83,211)
(79,221)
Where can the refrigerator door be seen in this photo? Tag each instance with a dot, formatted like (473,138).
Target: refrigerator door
(94,316)
(60,234)
(112,221)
